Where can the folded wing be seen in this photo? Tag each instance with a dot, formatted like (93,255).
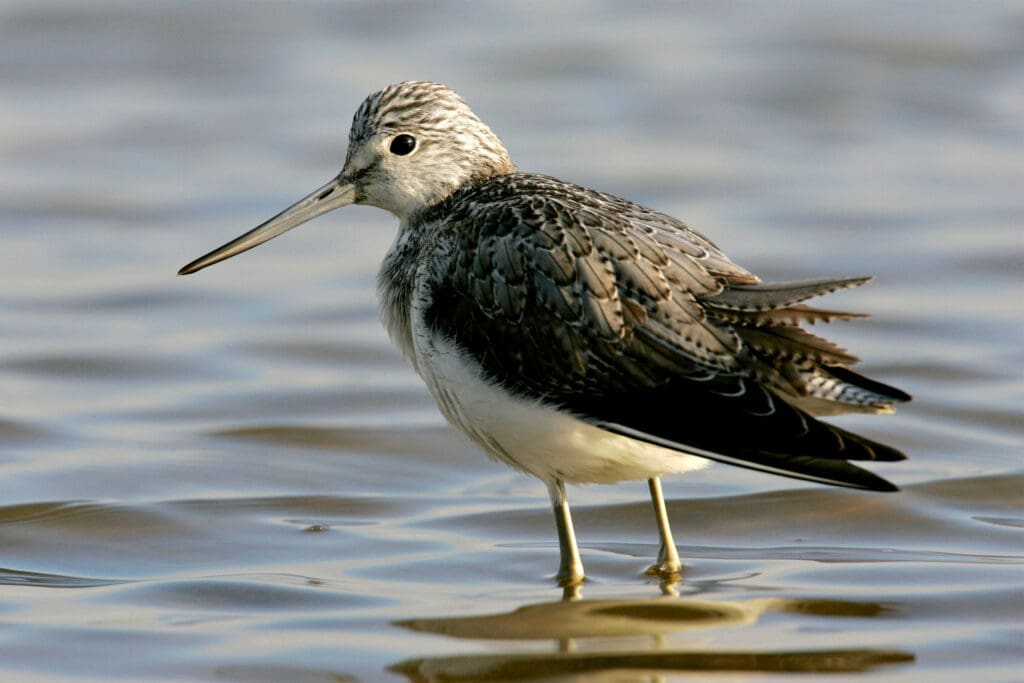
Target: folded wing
(631,321)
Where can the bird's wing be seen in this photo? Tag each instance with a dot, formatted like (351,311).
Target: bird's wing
(633,322)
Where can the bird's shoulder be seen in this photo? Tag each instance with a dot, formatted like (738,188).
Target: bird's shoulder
(543,212)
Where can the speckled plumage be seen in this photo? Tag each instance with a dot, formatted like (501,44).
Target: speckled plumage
(604,309)
(579,336)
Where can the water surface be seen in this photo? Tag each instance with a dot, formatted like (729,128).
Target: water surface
(234,477)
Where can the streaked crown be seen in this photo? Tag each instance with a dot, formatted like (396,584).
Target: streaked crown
(412,144)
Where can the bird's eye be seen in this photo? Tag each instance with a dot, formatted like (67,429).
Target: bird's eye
(403,144)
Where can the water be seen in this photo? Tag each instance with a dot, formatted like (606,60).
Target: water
(233,476)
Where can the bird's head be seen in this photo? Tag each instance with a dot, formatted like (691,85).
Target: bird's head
(410,146)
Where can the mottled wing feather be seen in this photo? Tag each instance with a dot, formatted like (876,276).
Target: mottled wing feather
(775,295)
(834,389)
(794,343)
(790,316)
(630,320)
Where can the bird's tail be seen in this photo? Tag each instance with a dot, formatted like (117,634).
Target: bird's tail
(804,369)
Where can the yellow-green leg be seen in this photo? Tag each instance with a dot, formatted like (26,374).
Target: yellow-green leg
(668,556)
(570,568)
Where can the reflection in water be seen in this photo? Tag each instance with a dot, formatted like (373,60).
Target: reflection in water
(622,665)
(572,618)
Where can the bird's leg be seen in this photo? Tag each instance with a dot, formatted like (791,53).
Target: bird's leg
(570,568)
(668,556)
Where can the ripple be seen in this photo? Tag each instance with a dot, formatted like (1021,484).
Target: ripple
(97,367)
(1014,522)
(14,432)
(241,594)
(15,577)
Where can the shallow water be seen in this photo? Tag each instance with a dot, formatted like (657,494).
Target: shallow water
(234,477)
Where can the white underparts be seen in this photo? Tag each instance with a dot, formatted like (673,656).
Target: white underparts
(528,435)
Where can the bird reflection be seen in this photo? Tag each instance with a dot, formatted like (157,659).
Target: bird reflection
(598,640)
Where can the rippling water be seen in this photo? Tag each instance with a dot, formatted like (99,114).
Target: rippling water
(234,477)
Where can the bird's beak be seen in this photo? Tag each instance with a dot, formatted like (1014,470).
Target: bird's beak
(333,195)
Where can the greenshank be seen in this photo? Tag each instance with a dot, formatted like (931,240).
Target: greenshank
(580,337)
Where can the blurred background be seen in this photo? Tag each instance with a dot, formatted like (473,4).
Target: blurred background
(233,476)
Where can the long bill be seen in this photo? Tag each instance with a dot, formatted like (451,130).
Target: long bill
(335,194)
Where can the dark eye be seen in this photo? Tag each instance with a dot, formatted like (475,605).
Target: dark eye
(403,144)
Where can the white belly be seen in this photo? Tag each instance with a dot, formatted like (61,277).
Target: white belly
(530,437)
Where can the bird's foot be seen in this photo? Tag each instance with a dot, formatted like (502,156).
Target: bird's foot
(665,570)
(669,575)
(668,566)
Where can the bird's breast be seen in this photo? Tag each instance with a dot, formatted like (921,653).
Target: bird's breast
(396,286)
